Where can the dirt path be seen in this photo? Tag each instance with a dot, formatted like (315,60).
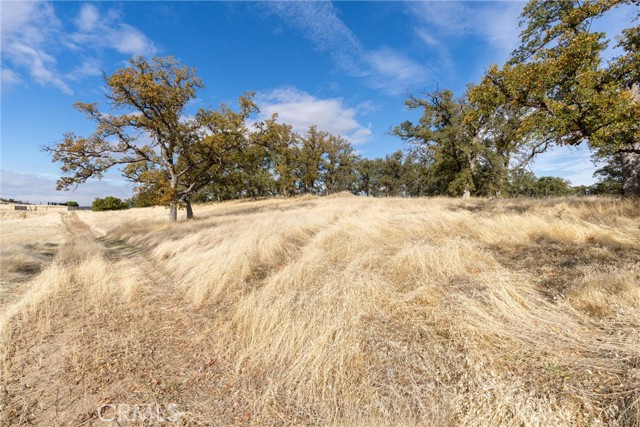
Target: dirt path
(75,225)
(178,360)
(155,349)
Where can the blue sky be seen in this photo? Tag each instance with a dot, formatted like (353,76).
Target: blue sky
(346,66)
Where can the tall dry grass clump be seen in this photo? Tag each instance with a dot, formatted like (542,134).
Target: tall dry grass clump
(358,311)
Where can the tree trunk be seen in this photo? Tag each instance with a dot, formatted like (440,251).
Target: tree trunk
(173,211)
(472,167)
(187,201)
(631,171)
(631,160)
(173,205)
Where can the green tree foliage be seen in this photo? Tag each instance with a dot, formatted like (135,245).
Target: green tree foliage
(337,167)
(416,177)
(72,203)
(367,175)
(556,89)
(478,144)
(569,93)
(282,152)
(391,178)
(523,183)
(450,142)
(218,138)
(310,159)
(610,176)
(505,149)
(183,154)
(467,145)
(278,162)
(224,142)
(109,203)
(553,186)
(253,173)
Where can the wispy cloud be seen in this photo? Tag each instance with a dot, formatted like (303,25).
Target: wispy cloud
(37,188)
(33,36)
(435,46)
(108,31)
(320,24)
(393,70)
(384,68)
(87,68)
(9,77)
(27,31)
(301,110)
(495,23)
(88,18)
(572,163)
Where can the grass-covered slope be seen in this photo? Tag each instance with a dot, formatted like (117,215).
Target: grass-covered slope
(343,311)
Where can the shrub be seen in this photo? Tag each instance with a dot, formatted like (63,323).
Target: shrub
(109,203)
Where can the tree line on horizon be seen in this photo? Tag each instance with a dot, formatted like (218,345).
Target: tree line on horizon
(320,163)
(399,174)
(556,89)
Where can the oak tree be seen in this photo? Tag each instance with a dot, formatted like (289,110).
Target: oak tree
(151,96)
(569,92)
(166,154)
(452,143)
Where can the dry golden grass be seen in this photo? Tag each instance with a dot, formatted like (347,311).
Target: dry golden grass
(28,242)
(341,310)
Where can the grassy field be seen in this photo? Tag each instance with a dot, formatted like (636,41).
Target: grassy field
(325,311)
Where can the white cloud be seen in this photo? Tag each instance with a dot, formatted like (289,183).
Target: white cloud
(27,28)
(443,55)
(494,22)
(572,163)
(30,20)
(394,70)
(36,188)
(88,18)
(88,68)
(361,136)
(9,78)
(320,24)
(129,40)
(32,36)
(301,110)
(384,68)
(107,31)
(367,107)
(426,38)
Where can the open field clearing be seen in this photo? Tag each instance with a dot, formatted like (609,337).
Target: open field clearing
(28,242)
(326,311)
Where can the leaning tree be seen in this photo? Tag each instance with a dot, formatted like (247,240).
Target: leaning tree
(165,153)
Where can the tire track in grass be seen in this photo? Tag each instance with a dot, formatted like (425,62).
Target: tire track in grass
(189,366)
(155,349)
